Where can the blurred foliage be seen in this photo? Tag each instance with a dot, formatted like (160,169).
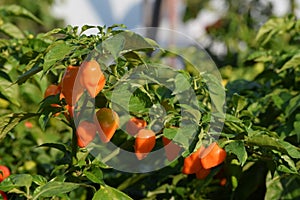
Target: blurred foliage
(235,29)
(261,134)
(40,9)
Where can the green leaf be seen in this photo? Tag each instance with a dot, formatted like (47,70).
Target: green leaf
(39,179)
(285,169)
(127,41)
(86,27)
(273,27)
(239,101)
(109,193)
(9,121)
(292,150)
(193,111)
(267,31)
(216,93)
(46,110)
(112,29)
(151,42)
(54,31)
(96,175)
(60,147)
(231,118)
(282,186)
(56,53)
(43,120)
(114,45)
(136,104)
(11,30)
(280,97)
(274,186)
(185,134)
(181,84)
(297,129)
(292,106)
(293,62)
(260,56)
(291,187)
(133,57)
(134,41)
(34,70)
(54,188)
(237,147)
(290,164)
(121,95)
(170,132)
(265,141)
(10,91)
(15,181)
(18,11)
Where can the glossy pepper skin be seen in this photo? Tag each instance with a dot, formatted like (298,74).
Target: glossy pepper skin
(212,156)
(192,163)
(86,132)
(5,172)
(52,90)
(201,161)
(134,125)
(107,122)
(144,142)
(91,77)
(71,88)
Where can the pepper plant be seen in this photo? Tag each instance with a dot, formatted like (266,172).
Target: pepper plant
(39,134)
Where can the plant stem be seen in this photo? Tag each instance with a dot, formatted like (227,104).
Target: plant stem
(74,146)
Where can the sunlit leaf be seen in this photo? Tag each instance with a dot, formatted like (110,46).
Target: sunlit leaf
(181,84)
(114,45)
(39,179)
(239,101)
(110,193)
(15,181)
(274,186)
(293,62)
(19,11)
(293,151)
(54,188)
(9,121)
(11,30)
(56,53)
(10,91)
(266,141)
(95,175)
